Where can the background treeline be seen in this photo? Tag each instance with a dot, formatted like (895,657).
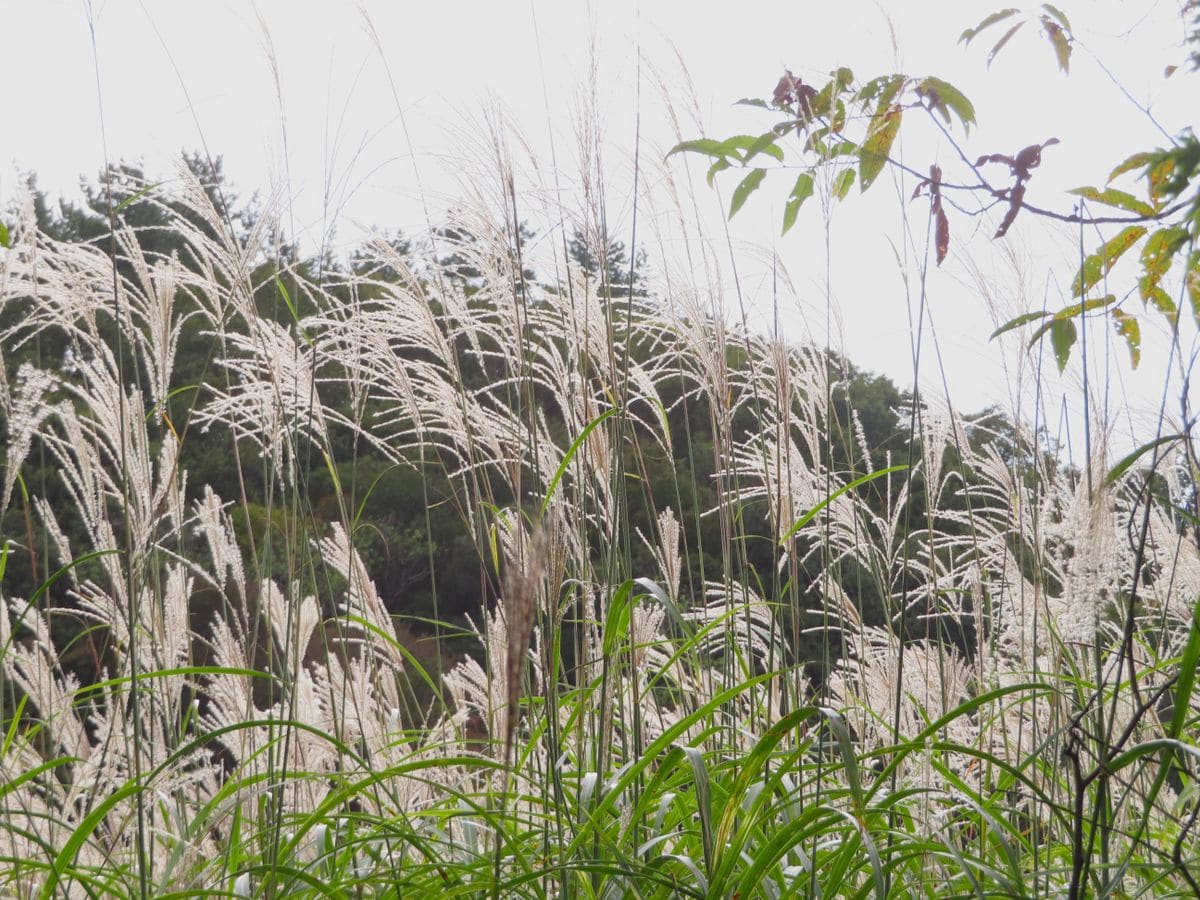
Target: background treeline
(424,562)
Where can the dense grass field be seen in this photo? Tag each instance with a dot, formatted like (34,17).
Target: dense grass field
(964,669)
(505,558)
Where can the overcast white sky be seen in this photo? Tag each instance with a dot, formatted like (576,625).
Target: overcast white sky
(174,74)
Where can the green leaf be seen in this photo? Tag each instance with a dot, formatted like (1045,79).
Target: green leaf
(707,146)
(1192,282)
(764,144)
(1061,41)
(891,89)
(1067,314)
(1137,161)
(947,98)
(719,166)
(5,237)
(843,182)
(570,455)
(1078,309)
(70,848)
(1057,14)
(748,186)
(1062,337)
(999,45)
(1127,461)
(872,88)
(1127,327)
(970,34)
(743,142)
(873,154)
(808,516)
(703,802)
(837,121)
(134,198)
(1188,664)
(1113,197)
(1161,174)
(1157,297)
(616,621)
(754,101)
(1157,256)
(1023,319)
(802,190)
(1096,266)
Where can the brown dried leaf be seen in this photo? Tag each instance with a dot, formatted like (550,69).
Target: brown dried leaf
(943,234)
(995,158)
(1015,196)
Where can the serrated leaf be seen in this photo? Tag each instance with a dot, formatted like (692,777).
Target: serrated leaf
(1078,309)
(1062,339)
(822,101)
(1127,327)
(1023,319)
(873,154)
(1160,173)
(1115,198)
(884,83)
(5,237)
(843,182)
(891,90)
(1157,297)
(949,99)
(837,121)
(719,166)
(765,144)
(1098,264)
(707,146)
(1158,255)
(802,190)
(1068,314)
(969,35)
(1137,161)
(999,45)
(743,142)
(748,186)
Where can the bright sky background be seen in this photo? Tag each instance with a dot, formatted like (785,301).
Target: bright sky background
(175,75)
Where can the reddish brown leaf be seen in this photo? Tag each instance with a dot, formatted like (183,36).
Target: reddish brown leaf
(1028,159)
(996,158)
(804,97)
(792,90)
(1015,196)
(785,89)
(943,234)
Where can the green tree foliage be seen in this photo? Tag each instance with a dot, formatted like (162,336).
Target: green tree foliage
(605,262)
(844,130)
